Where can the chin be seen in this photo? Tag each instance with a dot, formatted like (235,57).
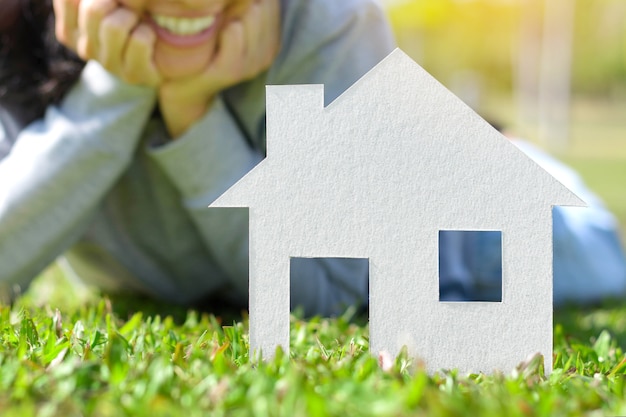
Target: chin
(171,70)
(182,63)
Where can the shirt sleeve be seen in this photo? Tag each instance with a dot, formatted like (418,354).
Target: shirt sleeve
(60,167)
(323,42)
(203,163)
(589,259)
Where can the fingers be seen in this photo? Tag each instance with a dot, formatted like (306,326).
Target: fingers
(66,22)
(237,10)
(246,46)
(138,63)
(274,17)
(262,24)
(270,32)
(252,35)
(114,32)
(110,34)
(228,64)
(90,15)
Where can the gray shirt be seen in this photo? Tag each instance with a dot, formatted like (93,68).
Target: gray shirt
(99,176)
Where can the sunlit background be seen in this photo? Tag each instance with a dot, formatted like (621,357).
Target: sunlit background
(550,71)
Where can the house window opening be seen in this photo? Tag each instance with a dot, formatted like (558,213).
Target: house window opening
(329,287)
(470,265)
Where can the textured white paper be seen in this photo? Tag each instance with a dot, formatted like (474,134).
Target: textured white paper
(377,174)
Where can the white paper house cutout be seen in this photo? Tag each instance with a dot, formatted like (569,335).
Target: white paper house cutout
(377,174)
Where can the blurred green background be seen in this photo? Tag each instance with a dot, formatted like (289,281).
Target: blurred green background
(550,71)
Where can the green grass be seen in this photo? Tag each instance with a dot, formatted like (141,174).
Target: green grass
(72,352)
(64,355)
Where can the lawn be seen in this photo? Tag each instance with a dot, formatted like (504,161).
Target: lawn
(67,351)
(64,353)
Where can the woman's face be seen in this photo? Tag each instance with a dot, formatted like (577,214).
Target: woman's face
(187,30)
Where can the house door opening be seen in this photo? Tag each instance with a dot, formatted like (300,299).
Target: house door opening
(329,286)
(470,265)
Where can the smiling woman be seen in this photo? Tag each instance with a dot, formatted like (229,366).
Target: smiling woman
(186,31)
(164,110)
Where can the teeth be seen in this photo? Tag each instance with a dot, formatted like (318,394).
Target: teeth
(184,26)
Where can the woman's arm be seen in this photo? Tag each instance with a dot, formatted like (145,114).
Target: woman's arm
(61,166)
(589,259)
(328,42)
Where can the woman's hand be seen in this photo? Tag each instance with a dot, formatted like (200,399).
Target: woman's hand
(110,34)
(246,47)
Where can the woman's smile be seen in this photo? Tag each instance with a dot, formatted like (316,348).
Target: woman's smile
(183,26)
(184,31)
(187,31)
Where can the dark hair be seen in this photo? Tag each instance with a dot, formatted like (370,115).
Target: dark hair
(35,69)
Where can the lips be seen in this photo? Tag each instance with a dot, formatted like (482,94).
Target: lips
(184,26)
(184,31)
